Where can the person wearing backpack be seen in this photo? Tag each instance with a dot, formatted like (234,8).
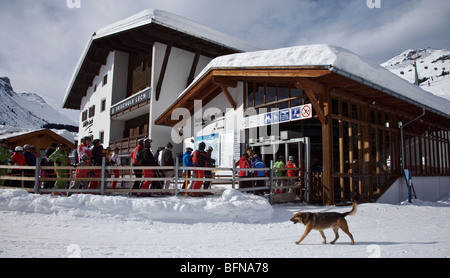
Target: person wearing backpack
(211,163)
(200,159)
(146,159)
(166,159)
(97,160)
(244,164)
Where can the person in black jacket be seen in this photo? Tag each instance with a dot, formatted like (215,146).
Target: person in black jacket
(97,156)
(45,162)
(166,159)
(146,159)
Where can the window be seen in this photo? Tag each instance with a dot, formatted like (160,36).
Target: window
(103,105)
(144,65)
(92,111)
(272,96)
(105,80)
(102,137)
(84,115)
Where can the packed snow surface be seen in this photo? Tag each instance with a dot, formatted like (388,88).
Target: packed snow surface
(233,225)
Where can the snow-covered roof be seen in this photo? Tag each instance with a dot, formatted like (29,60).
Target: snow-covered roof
(338,60)
(8,132)
(178,23)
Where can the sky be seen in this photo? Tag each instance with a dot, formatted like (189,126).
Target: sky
(43,40)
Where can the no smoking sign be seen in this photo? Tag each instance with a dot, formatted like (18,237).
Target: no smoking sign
(306,112)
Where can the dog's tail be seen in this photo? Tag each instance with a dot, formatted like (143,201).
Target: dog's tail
(353,211)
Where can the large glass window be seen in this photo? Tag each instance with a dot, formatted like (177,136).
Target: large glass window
(272,96)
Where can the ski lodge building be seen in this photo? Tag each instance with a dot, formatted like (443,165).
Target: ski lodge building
(132,70)
(338,116)
(162,76)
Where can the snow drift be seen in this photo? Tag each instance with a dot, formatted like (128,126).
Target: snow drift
(232,206)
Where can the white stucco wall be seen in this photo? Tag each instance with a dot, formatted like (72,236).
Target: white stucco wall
(176,76)
(101,120)
(427,189)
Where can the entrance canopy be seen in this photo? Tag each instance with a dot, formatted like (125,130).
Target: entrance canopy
(316,69)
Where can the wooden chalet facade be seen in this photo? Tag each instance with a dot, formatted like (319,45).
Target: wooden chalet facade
(41,139)
(355,129)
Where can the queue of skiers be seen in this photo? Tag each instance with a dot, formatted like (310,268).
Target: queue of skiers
(26,156)
(249,165)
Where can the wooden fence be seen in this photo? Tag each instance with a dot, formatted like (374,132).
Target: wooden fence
(32,179)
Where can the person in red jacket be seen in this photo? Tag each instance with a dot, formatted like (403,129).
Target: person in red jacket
(135,157)
(85,161)
(17,159)
(244,164)
(84,148)
(200,159)
(291,173)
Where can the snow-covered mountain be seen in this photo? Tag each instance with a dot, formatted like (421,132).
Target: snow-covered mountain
(26,110)
(433,67)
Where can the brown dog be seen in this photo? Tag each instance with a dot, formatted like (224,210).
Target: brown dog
(323,221)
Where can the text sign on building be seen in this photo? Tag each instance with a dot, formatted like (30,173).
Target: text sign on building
(280,116)
(131,101)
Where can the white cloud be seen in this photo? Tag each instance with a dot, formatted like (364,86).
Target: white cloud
(43,40)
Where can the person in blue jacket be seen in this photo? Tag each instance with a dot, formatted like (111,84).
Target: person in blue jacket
(187,162)
(259,174)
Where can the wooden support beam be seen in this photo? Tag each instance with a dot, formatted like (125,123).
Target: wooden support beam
(163,71)
(327,149)
(310,88)
(315,103)
(305,83)
(228,82)
(228,95)
(194,66)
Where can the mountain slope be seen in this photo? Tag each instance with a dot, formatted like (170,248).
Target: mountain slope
(433,68)
(26,110)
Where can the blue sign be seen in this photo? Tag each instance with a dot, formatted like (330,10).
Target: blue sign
(285,115)
(275,117)
(268,119)
(296,113)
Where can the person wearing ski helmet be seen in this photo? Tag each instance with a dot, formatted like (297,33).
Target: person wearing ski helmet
(84,148)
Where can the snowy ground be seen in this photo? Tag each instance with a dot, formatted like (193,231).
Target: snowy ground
(231,226)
